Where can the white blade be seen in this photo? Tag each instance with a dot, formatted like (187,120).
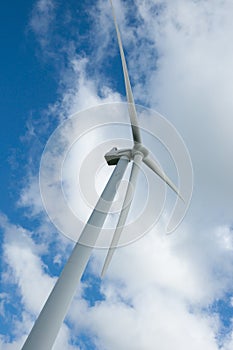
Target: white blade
(124,212)
(151,163)
(129,94)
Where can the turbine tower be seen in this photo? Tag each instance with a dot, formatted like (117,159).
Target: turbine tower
(49,321)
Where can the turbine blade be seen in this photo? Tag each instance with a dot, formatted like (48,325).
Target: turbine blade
(151,163)
(124,212)
(129,94)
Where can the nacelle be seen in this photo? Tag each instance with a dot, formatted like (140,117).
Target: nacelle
(112,157)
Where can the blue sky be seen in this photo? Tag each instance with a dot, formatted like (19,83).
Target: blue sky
(59,58)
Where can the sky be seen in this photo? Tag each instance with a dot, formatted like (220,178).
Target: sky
(59,58)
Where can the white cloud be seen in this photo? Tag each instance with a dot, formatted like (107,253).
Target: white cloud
(192,87)
(15,345)
(63,340)
(84,93)
(41,20)
(153,322)
(30,196)
(168,280)
(157,290)
(25,266)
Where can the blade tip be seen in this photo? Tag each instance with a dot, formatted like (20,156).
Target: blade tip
(182,198)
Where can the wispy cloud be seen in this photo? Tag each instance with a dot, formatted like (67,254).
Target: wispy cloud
(42,19)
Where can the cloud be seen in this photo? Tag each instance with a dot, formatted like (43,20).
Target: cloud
(188,272)
(30,196)
(192,87)
(25,271)
(41,20)
(85,92)
(25,268)
(152,322)
(159,291)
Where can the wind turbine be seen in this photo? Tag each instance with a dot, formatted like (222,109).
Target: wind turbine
(49,321)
